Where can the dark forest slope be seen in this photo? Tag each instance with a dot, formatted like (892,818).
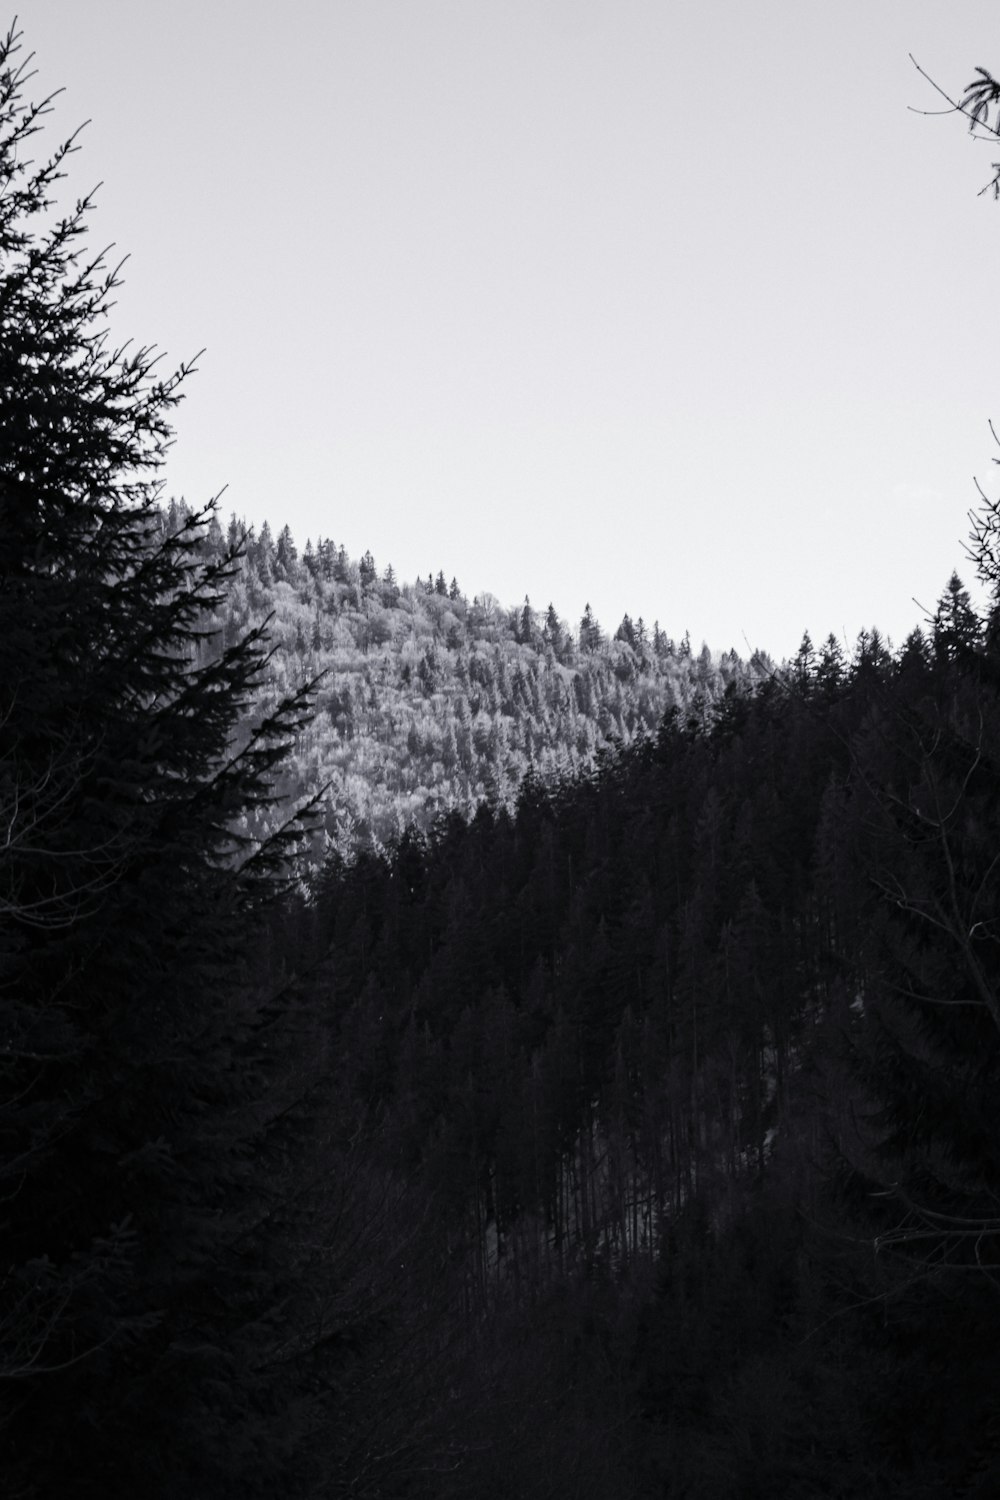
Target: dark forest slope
(692,1063)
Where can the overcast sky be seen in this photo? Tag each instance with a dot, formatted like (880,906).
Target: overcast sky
(671,306)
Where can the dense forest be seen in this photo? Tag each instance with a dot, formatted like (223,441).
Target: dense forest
(446,1054)
(427,703)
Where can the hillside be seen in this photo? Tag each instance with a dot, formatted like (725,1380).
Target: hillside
(429,703)
(689,1069)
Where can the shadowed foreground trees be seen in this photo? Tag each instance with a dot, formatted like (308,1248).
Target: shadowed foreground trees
(146,1340)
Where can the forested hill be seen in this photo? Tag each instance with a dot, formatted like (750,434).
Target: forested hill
(431,703)
(690,1069)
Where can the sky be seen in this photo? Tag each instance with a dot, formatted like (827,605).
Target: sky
(675,307)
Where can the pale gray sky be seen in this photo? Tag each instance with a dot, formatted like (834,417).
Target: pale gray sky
(668,305)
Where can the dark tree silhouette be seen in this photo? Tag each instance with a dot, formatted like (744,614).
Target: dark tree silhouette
(140,1292)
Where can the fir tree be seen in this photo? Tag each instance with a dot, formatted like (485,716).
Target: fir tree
(590,631)
(626,632)
(263,555)
(140,1291)
(831,670)
(927,806)
(368,572)
(956,628)
(285,554)
(390,588)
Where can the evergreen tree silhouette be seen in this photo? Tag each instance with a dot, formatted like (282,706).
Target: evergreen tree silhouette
(140,1291)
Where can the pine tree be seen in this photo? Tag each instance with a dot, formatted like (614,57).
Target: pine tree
(915,1113)
(552,630)
(830,671)
(590,632)
(326,553)
(662,644)
(926,807)
(285,554)
(804,665)
(139,1301)
(626,632)
(368,572)
(263,555)
(390,588)
(956,628)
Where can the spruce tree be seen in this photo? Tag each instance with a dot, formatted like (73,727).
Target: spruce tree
(139,1292)
(924,810)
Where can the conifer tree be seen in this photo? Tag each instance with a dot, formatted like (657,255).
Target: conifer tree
(626,632)
(525,623)
(285,554)
(263,555)
(956,628)
(368,571)
(926,794)
(590,631)
(390,588)
(139,1328)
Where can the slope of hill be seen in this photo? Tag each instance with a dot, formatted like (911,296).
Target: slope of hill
(690,1069)
(430,702)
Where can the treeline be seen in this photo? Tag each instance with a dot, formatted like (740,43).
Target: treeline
(431,703)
